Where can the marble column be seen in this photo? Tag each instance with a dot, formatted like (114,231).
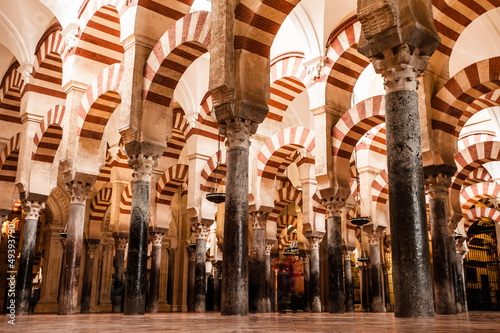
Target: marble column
(32,210)
(191,277)
(335,266)
(235,273)
(135,287)
(461,252)
(349,292)
(87,275)
(216,269)
(79,187)
(121,241)
(452,225)
(315,280)
(387,296)
(170,274)
(201,231)
(268,276)
(437,187)
(259,245)
(410,244)
(374,233)
(307,282)
(154,277)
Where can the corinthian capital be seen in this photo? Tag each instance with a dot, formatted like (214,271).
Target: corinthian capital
(374,233)
(259,219)
(238,132)
(32,209)
(143,167)
(79,191)
(200,230)
(333,205)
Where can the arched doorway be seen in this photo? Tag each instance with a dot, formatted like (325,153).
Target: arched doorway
(482,267)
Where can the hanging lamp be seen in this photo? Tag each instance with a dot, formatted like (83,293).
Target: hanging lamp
(64,234)
(214,196)
(358,220)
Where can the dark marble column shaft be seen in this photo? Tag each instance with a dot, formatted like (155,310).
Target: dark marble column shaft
(200,268)
(335,265)
(349,292)
(410,242)
(32,210)
(216,269)
(118,283)
(268,276)
(135,285)
(375,267)
(315,280)
(87,276)
(191,277)
(307,282)
(454,273)
(444,298)
(461,252)
(235,272)
(170,282)
(154,277)
(68,299)
(259,245)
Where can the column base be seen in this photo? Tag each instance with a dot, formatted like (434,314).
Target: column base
(179,308)
(164,307)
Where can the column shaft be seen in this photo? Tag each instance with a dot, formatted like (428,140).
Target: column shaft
(154,280)
(410,245)
(68,298)
(335,266)
(259,245)
(199,272)
(24,278)
(349,294)
(170,281)
(235,272)
(377,300)
(118,285)
(268,278)
(191,278)
(217,287)
(315,289)
(454,273)
(307,284)
(87,278)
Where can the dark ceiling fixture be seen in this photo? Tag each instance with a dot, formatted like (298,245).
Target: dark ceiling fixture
(214,196)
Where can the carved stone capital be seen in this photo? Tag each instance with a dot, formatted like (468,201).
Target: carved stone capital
(25,70)
(157,238)
(200,230)
(268,249)
(374,233)
(32,209)
(191,253)
(401,69)
(70,35)
(121,243)
(333,206)
(259,219)
(92,247)
(79,191)
(461,247)
(436,186)
(143,167)
(238,132)
(314,242)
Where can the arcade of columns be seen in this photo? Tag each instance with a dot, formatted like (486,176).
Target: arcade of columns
(120,165)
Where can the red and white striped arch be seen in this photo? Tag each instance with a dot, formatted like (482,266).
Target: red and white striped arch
(100,204)
(208,173)
(105,171)
(49,135)
(470,195)
(353,125)
(174,177)
(317,205)
(478,213)
(487,100)
(375,141)
(10,95)
(283,222)
(474,137)
(471,158)
(99,102)
(461,91)
(100,39)
(287,82)
(180,129)
(380,188)
(345,64)
(452,17)
(282,145)
(285,196)
(258,22)
(176,50)
(126,200)
(47,70)
(9,158)
(479,175)
(208,127)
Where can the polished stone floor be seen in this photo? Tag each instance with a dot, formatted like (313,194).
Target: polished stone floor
(214,322)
